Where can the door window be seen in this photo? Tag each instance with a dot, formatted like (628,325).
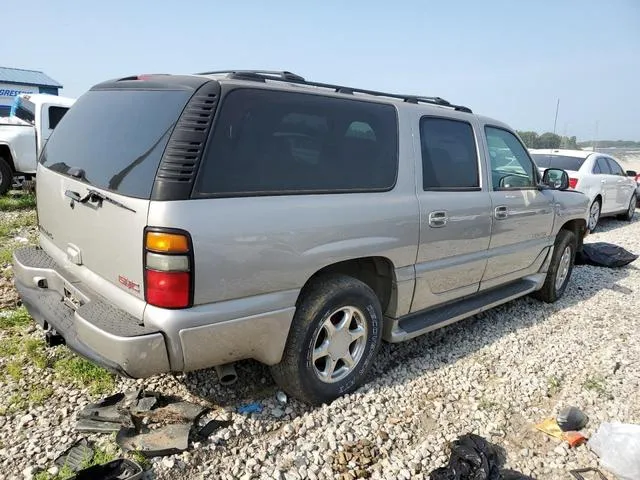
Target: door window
(511,166)
(615,168)
(55,115)
(602,167)
(449,155)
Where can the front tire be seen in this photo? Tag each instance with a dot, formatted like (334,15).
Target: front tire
(333,340)
(6,176)
(559,273)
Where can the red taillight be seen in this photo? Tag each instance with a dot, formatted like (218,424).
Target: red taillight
(168,289)
(573,182)
(638,178)
(168,268)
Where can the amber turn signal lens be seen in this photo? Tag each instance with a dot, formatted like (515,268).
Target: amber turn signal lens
(166,242)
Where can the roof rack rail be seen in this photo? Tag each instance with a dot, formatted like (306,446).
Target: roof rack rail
(263,75)
(258,75)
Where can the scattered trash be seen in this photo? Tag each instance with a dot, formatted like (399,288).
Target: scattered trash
(572,419)
(602,254)
(551,427)
(578,473)
(616,367)
(250,408)
(120,469)
(75,456)
(472,457)
(166,440)
(148,422)
(281,396)
(618,446)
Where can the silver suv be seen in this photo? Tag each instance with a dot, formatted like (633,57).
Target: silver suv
(192,221)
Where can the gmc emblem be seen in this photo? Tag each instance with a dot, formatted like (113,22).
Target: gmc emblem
(128,283)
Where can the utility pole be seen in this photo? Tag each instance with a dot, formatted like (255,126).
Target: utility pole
(595,138)
(556,120)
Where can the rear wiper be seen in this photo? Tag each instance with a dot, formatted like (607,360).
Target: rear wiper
(94,196)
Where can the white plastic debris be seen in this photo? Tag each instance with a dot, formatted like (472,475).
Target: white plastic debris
(281,396)
(618,446)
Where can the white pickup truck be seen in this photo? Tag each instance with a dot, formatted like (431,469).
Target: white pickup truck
(25,132)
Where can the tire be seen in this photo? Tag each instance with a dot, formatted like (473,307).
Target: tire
(6,176)
(631,211)
(324,301)
(593,220)
(553,288)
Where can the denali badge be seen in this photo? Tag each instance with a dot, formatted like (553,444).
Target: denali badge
(129,284)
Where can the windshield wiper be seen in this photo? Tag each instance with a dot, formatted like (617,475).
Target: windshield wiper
(94,196)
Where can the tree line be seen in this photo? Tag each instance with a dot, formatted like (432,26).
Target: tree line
(548,140)
(611,144)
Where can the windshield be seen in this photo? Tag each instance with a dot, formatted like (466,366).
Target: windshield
(557,161)
(116,138)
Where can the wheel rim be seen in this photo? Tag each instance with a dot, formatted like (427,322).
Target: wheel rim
(563,268)
(632,205)
(594,215)
(339,344)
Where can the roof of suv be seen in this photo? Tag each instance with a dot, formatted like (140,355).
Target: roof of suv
(287,80)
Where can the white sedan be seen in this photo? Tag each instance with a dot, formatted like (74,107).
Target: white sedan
(611,190)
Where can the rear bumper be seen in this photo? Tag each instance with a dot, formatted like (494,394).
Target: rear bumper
(95,330)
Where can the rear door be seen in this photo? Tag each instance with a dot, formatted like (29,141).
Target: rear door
(111,142)
(624,186)
(522,214)
(455,211)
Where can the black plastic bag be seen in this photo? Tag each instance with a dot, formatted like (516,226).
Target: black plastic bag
(473,458)
(602,254)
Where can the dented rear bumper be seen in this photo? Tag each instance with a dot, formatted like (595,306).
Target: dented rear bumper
(90,326)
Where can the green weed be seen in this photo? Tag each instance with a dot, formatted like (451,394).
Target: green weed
(84,374)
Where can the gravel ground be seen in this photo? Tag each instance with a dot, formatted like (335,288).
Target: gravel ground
(495,375)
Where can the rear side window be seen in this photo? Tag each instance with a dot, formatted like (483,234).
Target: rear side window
(449,155)
(557,161)
(117,137)
(615,168)
(276,143)
(602,166)
(55,115)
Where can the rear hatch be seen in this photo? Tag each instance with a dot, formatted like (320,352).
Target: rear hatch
(95,179)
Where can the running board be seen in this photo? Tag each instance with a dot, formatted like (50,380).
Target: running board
(419,323)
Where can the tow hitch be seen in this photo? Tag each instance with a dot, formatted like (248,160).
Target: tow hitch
(53,338)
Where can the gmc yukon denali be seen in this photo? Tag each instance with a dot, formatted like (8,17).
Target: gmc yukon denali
(191,221)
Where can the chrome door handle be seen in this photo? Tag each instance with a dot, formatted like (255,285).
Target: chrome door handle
(438,219)
(501,212)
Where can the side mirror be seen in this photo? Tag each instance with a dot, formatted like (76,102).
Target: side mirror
(631,173)
(555,178)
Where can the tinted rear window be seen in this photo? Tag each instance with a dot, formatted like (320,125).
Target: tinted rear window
(277,143)
(557,161)
(116,137)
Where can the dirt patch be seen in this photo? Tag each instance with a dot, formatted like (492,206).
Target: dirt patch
(8,295)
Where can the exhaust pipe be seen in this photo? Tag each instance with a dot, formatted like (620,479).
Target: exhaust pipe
(53,339)
(226,374)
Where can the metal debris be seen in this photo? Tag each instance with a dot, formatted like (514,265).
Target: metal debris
(120,469)
(75,456)
(162,441)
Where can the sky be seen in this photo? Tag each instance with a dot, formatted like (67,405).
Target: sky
(507,59)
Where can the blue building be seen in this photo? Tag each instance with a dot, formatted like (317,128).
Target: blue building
(14,81)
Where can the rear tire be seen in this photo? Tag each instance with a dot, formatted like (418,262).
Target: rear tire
(595,211)
(337,318)
(631,211)
(6,176)
(559,273)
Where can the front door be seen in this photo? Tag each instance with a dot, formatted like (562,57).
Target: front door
(522,214)
(455,213)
